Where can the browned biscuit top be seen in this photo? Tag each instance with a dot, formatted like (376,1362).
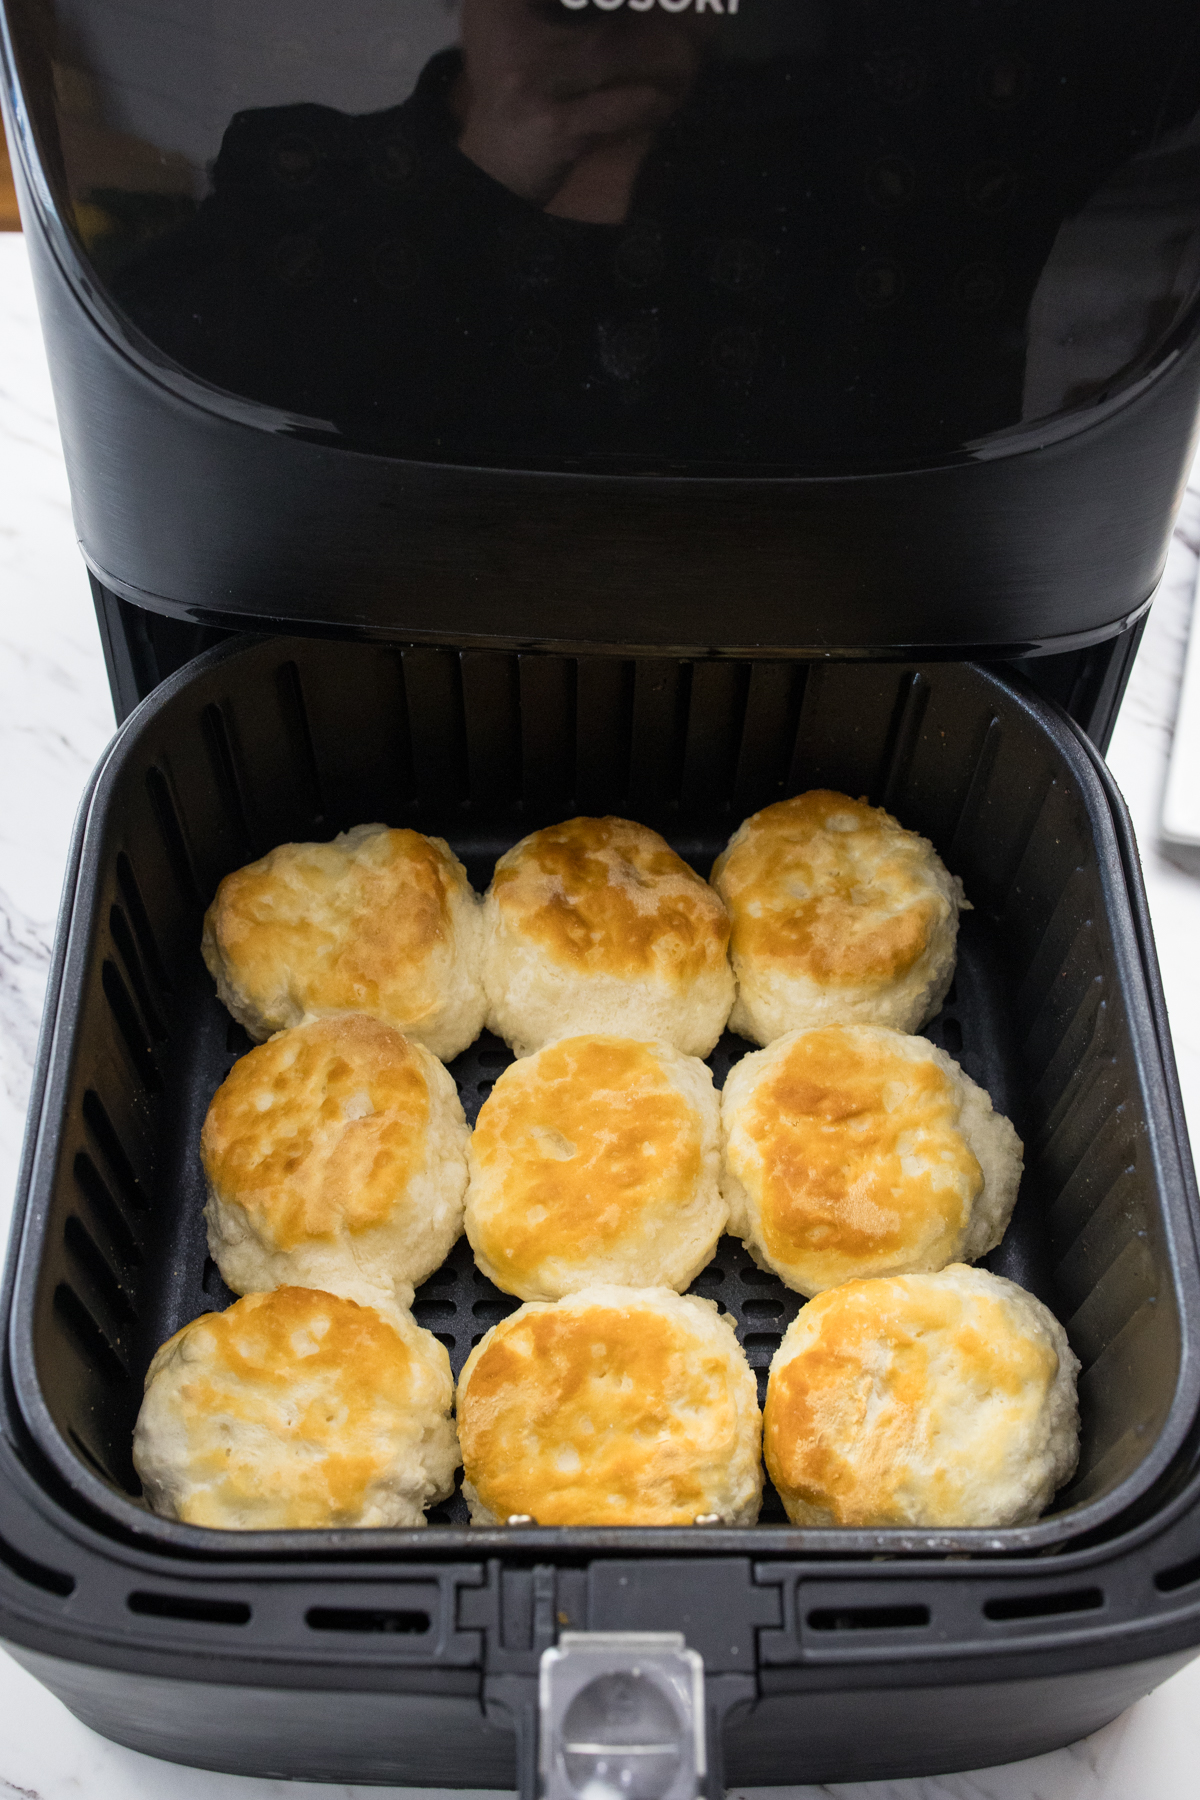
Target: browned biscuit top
(832,888)
(857,1156)
(601,1414)
(318,1130)
(314,1388)
(608,896)
(586,1144)
(883,1400)
(347,926)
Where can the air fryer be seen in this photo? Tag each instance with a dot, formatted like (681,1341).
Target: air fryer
(618,373)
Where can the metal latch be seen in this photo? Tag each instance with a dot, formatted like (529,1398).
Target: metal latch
(621,1717)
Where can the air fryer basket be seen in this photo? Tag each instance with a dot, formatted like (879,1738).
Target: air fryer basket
(1055,1010)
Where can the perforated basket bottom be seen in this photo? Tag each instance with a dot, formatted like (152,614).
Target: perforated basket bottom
(459,1304)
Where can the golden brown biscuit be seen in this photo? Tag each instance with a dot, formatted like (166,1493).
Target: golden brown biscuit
(297,1409)
(378,921)
(853,1151)
(839,915)
(597,926)
(613,1407)
(597,1160)
(335,1156)
(923,1400)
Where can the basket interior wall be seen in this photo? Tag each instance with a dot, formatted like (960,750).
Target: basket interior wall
(303,739)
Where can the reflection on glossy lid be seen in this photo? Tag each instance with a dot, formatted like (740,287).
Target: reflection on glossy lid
(791,236)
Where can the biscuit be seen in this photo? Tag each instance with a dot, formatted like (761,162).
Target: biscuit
(596,925)
(938,1401)
(839,916)
(853,1151)
(294,1410)
(378,921)
(596,1161)
(335,1156)
(612,1407)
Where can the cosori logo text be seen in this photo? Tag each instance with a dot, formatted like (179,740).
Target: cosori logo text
(671,6)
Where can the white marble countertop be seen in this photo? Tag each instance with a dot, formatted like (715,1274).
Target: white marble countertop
(55,718)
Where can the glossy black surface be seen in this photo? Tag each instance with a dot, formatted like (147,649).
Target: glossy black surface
(219,510)
(787,236)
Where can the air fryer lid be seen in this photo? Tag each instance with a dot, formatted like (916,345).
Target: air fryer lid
(745,234)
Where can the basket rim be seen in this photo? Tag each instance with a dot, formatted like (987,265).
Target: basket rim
(1120,877)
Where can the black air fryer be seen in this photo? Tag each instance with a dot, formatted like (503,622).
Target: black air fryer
(478,414)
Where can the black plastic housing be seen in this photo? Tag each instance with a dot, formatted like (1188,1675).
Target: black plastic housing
(400,1655)
(210,508)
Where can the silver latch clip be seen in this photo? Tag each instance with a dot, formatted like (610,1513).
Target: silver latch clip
(621,1717)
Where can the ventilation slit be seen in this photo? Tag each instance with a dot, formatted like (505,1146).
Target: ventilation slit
(547,719)
(492,723)
(174,841)
(110,1147)
(103,1356)
(139,918)
(51,1581)
(106,1211)
(490,1311)
(92,1260)
(127,949)
(130,1026)
(716,728)
(903,737)
(405,1623)
(1181,1576)
(1043,1606)
(190,1607)
(868,1618)
(683,714)
(973,802)
(805,735)
(93,1461)
(768,731)
(433,1311)
(604,697)
(220,751)
(292,704)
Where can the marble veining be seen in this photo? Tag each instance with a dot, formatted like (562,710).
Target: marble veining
(55,718)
